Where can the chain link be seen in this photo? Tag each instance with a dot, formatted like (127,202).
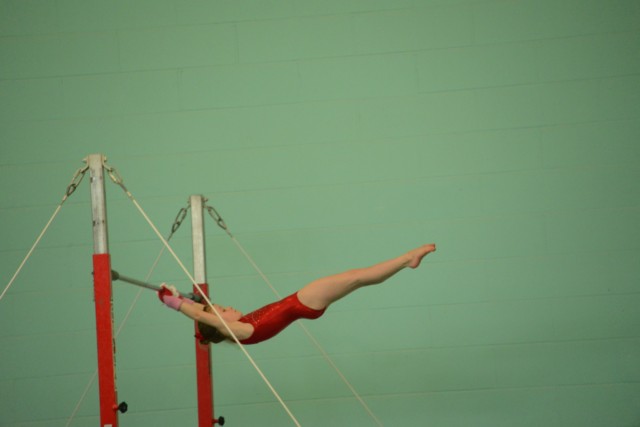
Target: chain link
(182,214)
(217,218)
(76,180)
(114,175)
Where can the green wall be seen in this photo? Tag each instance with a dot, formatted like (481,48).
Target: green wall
(332,135)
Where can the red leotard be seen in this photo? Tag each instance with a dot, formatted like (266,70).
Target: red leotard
(269,320)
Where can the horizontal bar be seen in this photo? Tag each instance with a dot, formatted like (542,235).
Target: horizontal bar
(117,276)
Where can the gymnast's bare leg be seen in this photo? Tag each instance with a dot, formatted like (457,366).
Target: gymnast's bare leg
(320,293)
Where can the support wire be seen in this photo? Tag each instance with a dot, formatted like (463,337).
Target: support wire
(75,181)
(218,219)
(115,177)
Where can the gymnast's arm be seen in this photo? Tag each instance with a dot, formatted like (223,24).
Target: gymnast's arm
(195,311)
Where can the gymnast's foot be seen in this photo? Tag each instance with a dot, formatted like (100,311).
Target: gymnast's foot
(417,254)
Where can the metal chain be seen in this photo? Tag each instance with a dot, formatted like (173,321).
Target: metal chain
(217,218)
(75,182)
(114,175)
(182,214)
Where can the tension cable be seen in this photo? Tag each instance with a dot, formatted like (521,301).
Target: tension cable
(218,219)
(71,188)
(117,179)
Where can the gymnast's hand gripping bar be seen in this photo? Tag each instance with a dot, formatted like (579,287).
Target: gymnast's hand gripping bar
(117,276)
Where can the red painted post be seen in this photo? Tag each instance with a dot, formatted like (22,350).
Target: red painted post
(102,295)
(204,377)
(104,334)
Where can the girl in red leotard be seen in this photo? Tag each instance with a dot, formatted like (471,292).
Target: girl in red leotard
(310,302)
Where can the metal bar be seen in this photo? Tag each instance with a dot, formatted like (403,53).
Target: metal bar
(103,296)
(204,375)
(117,276)
(98,204)
(197,235)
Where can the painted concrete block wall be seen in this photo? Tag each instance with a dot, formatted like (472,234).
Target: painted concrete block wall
(332,135)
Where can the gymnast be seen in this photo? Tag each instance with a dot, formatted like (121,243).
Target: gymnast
(310,302)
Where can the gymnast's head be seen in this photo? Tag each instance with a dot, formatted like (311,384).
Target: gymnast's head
(210,334)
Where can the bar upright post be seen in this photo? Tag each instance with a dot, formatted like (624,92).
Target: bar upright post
(103,295)
(203,351)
